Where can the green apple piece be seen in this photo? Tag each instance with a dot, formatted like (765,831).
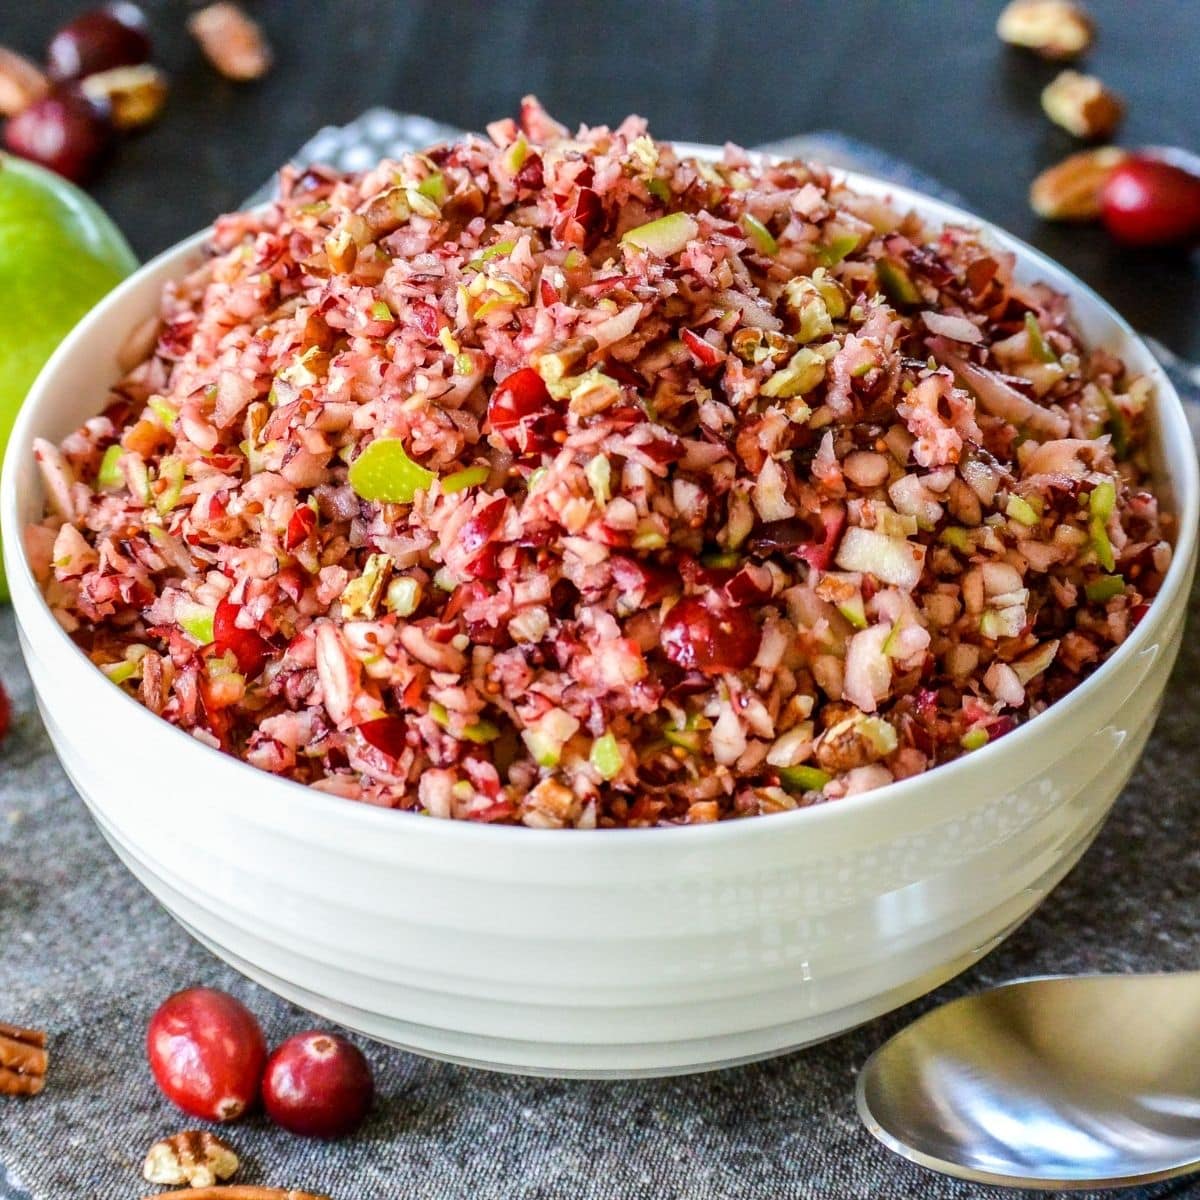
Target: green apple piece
(59,253)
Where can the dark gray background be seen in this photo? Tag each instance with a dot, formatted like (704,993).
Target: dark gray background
(924,79)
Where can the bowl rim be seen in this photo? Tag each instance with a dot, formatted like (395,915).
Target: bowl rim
(968,769)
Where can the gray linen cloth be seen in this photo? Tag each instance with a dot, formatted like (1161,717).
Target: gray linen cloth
(86,953)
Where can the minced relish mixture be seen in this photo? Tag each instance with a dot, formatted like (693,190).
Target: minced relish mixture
(565,481)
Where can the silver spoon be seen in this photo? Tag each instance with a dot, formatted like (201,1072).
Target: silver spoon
(1089,1081)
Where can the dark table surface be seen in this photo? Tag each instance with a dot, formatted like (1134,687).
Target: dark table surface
(926,80)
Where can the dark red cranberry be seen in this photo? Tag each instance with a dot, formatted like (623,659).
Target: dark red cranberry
(5,713)
(207,1053)
(249,648)
(98,40)
(1149,202)
(318,1084)
(386,734)
(696,636)
(64,131)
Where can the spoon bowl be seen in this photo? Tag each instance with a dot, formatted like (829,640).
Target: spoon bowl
(1054,1083)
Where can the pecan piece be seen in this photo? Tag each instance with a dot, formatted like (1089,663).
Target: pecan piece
(21,83)
(1055,29)
(1070,190)
(1082,105)
(231,41)
(240,1191)
(134,95)
(23,1060)
(194,1157)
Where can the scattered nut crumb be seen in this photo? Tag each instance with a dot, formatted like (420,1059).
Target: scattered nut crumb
(1056,29)
(21,83)
(1082,105)
(231,41)
(195,1157)
(1070,190)
(136,95)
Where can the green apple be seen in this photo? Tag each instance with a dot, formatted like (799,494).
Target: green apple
(59,253)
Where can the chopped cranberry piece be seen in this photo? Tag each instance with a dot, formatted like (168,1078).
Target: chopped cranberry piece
(249,648)
(819,554)
(696,636)
(486,564)
(483,634)
(750,585)
(705,353)
(386,734)
(649,580)
(5,713)
(549,292)
(301,524)
(425,318)
(480,528)
(521,397)
(531,175)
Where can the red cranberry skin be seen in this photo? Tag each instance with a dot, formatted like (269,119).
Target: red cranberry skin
(698,637)
(64,131)
(318,1084)
(207,1053)
(249,648)
(98,40)
(5,713)
(1149,202)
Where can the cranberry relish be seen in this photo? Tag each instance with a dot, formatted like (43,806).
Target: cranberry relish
(564,481)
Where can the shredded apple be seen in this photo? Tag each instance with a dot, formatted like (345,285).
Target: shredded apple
(565,481)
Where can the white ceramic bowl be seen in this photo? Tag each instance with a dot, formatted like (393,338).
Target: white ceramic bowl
(594,953)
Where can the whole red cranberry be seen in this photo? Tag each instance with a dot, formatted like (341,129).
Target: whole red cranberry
(713,639)
(318,1084)
(64,131)
(1149,202)
(207,1053)
(99,39)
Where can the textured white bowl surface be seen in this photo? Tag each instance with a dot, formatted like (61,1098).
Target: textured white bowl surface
(610,952)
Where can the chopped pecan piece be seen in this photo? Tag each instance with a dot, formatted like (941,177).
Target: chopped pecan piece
(231,41)
(1056,29)
(1082,105)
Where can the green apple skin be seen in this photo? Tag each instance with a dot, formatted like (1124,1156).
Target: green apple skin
(59,253)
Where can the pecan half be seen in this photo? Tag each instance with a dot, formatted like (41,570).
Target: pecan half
(194,1157)
(1082,105)
(21,83)
(1056,29)
(1070,190)
(231,41)
(240,1191)
(23,1060)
